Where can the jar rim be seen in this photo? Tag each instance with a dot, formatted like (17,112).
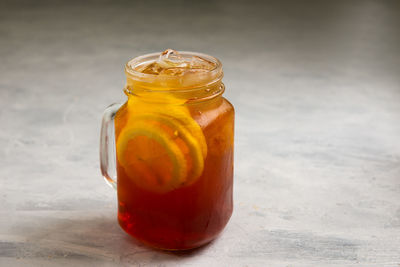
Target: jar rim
(153,81)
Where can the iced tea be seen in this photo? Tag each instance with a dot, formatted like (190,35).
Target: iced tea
(174,146)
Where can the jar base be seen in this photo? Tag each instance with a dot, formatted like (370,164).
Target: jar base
(185,247)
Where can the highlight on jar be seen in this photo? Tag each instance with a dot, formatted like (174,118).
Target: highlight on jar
(168,150)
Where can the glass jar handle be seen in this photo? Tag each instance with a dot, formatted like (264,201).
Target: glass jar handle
(107,146)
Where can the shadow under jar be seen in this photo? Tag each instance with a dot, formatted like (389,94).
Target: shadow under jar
(174,150)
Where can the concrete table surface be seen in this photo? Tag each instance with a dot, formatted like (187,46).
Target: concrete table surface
(316,86)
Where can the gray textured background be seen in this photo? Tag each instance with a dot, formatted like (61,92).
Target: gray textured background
(317,92)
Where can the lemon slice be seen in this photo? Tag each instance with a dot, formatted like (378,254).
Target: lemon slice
(175,155)
(195,149)
(179,171)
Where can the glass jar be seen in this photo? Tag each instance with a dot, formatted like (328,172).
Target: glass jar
(174,151)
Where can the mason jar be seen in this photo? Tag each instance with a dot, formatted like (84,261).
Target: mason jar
(172,145)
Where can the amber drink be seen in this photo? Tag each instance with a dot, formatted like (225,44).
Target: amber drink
(174,150)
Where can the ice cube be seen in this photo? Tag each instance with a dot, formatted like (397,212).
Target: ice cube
(172,63)
(171,58)
(201,63)
(152,68)
(173,71)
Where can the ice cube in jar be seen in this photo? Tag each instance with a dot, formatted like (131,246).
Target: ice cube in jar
(171,63)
